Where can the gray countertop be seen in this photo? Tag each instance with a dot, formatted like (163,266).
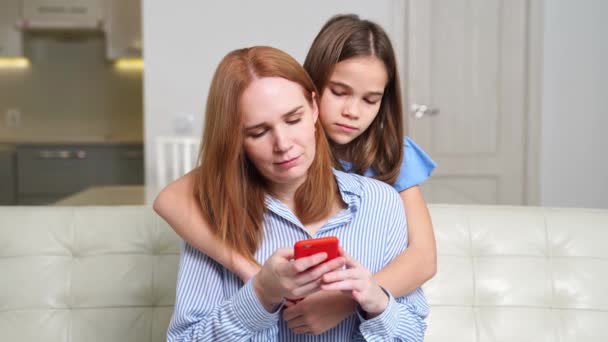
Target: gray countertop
(63,140)
(106,195)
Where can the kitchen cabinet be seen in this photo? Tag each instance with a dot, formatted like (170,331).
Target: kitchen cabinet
(62,14)
(11,41)
(49,173)
(7,175)
(123,29)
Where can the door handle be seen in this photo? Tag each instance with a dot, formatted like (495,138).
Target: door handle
(421,110)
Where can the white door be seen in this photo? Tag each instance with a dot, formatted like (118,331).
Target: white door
(466,82)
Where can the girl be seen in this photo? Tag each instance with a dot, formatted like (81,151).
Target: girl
(270,183)
(352,63)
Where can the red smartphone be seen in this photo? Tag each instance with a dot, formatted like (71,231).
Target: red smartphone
(309,247)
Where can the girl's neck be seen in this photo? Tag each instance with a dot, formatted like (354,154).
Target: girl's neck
(339,151)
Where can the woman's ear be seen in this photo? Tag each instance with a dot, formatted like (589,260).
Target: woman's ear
(315,107)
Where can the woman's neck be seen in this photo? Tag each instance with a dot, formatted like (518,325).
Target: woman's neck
(286,193)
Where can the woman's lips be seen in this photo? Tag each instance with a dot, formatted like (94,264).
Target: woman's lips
(289,163)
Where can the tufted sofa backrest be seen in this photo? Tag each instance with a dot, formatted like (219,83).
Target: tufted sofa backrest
(108,274)
(85,274)
(519,274)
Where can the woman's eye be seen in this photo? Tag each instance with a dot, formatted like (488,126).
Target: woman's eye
(257,134)
(371,102)
(294,121)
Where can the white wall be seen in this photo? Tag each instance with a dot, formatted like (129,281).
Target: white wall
(574,143)
(184,41)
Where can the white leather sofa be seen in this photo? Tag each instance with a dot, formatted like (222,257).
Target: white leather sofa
(74,274)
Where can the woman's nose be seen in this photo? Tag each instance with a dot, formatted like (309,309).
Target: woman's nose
(282,143)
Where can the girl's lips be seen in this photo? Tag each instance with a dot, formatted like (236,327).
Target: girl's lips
(346,128)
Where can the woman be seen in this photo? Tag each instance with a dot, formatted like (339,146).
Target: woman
(266,182)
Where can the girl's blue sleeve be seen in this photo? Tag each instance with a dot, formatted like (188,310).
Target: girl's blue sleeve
(416,167)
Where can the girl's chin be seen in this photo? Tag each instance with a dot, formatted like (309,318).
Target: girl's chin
(341,139)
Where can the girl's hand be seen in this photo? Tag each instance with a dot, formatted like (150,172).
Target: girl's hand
(281,276)
(357,281)
(318,312)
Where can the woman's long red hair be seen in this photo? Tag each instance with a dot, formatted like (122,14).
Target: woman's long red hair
(231,191)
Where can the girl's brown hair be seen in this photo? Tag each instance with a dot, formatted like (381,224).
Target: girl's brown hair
(380,147)
(230,190)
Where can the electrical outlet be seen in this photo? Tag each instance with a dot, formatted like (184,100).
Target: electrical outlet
(12,118)
(183,124)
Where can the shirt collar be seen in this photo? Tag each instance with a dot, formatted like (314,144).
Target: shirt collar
(350,188)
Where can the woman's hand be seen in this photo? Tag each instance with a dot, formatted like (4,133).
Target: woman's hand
(281,276)
(357,281)
(318,312)
(244,268)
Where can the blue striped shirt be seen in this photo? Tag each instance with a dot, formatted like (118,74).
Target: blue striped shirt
(213,304)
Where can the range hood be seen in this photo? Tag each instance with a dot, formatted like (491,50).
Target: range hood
(62,15)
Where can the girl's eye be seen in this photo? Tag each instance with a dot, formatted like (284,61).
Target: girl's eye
(337,93)
(371,102)
(294,121)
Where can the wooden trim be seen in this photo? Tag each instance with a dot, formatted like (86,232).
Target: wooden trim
(399,38)
(534,103)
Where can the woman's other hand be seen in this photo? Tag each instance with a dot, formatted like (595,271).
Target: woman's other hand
(359,282)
